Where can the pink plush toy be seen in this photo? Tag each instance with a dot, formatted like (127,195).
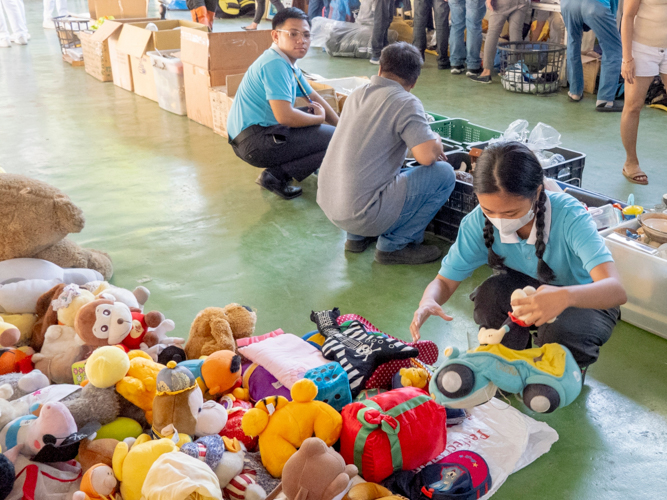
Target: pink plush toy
(54,424)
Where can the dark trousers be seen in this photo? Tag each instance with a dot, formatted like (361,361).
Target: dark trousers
(582,331)
(384,15)
(285,152)
(260,7)
(441,20)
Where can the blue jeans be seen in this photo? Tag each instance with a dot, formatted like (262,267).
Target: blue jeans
(597,15)
(467,16)
(428,189)
(318,8)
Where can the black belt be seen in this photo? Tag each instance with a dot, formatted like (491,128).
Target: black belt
(245,133)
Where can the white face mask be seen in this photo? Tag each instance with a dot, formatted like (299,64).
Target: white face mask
(508,227)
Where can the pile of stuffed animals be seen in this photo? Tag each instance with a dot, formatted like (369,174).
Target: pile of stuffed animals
(98,402)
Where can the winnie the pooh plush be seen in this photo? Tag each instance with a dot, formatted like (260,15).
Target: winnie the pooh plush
(216,329)
(139,385)
(283,426)
(36,218)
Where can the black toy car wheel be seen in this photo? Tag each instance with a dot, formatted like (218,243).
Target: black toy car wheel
(541,398)
(455,381)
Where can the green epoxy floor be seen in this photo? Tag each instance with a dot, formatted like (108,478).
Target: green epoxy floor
(179,213)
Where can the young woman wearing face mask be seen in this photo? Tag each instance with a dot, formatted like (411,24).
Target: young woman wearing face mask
(533,237)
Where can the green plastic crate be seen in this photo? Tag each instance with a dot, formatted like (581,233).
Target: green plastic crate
(437,117)
(463,132)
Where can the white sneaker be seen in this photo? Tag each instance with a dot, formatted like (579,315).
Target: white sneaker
(48,25)
(5,43)
(20,39)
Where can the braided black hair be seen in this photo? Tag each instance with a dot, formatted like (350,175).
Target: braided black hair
(513,168)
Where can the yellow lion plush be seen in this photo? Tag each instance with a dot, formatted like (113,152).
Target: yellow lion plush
(138,386)
(282,425)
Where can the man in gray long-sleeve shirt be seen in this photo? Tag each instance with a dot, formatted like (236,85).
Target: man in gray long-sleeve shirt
(362,187)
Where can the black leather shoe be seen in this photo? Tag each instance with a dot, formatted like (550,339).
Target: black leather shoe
(358,246)
(282,188)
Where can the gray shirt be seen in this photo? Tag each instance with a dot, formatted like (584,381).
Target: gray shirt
(360,186)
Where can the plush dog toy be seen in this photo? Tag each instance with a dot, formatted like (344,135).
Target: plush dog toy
(139,385)
(36,218)
(216,374)
(98,483)
(216,329)
(282,426)
(316,472)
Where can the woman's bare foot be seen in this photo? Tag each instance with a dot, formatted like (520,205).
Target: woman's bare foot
(250,27)
(634,174)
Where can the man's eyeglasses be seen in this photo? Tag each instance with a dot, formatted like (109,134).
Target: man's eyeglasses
(296,34)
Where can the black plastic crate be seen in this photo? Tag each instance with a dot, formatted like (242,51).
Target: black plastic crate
(569,171)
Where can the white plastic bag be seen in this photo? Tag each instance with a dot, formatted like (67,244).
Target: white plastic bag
(543,137)
(506,438)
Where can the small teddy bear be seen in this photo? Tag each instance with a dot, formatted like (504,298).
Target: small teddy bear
(215,329)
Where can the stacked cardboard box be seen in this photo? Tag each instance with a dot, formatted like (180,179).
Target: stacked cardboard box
(135,41)
(119,9)
(95,45)
(221,102)
(209,58)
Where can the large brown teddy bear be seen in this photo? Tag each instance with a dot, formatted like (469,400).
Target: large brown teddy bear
(216,328)
(36,218)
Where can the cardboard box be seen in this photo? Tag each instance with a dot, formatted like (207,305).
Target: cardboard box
(95,45)
(121,71)
(119,9)
(326,92)
(591,67)
(344,87)
(221,102)
(209,58)
(135,41)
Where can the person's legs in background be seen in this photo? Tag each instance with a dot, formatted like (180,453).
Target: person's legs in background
(571,10)
(635,95)
(5,41)
(428,188)
(582,331)
(457,44)
(315,8)
(49,5)
(598,16)
(285,154)
(384,15)
(421,10)
(16,16)
(441,20)
(497,20)
(260,6)
(475,11)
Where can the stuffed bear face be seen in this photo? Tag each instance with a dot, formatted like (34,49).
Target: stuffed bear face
(103,322)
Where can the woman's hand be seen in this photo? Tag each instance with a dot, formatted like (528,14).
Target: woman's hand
(628,71)
(545,305)
(489,5)
(426,309)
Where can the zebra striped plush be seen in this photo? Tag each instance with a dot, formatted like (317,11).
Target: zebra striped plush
(358,351)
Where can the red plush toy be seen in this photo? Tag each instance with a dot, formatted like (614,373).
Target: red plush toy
(396,430)
(236,408)
(15,361)
(140,325)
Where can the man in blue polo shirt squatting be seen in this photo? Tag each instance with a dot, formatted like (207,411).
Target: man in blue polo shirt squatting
(265,129)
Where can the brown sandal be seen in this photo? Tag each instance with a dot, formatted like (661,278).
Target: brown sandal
(634,178)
